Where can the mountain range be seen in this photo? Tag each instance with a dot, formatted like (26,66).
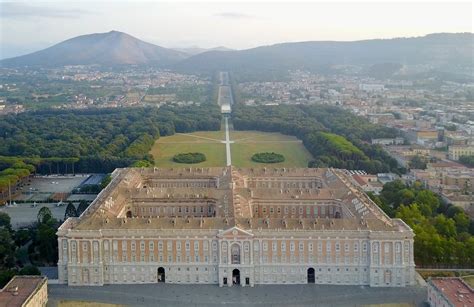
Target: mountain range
(451,52)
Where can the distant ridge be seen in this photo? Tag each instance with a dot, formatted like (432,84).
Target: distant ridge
(439,50)
(111,48)
(198,50)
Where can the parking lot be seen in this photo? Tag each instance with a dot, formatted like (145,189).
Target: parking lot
(25,206)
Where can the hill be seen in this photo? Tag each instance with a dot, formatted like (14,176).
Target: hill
(444,52)
(197,50)
(111,48)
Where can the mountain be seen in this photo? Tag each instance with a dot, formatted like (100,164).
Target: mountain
(111,48)
(197,50)
(443,51)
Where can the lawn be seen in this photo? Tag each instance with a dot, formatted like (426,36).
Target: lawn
(206,142)
(246,143)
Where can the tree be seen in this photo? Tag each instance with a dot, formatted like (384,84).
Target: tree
(445,226)
(462,222)
(70,211)
(429,202)
(82,207)
(5,221)
(29,270)
(7,249)
(417,163)
(44,215)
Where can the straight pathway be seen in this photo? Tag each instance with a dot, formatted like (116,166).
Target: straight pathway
(227,142)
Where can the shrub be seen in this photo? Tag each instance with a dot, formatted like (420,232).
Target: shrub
(190,157)
(268,157)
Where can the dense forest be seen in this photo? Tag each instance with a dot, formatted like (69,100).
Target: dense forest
(95,140)
(335,137)
(444,233)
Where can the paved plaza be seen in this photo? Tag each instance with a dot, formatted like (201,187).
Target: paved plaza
(210,295)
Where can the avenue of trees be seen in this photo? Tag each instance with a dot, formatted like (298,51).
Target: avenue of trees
(335,137)
(95,140)
(444,234)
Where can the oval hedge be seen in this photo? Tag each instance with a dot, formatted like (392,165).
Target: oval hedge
(190,157)
(268,157)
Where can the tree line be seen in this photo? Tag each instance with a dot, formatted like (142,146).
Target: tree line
(335,137)
(96,140)
(444,234)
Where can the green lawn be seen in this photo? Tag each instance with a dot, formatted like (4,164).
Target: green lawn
(207,142)
(246,143)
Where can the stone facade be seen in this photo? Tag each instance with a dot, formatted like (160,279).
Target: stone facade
(230,226)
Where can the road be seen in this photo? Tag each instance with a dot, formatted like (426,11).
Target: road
(212,295)
(227,142)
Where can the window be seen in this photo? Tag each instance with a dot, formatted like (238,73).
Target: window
(301,246)
(84,246)
(133,246)
(169,246)
(328,246)
(205,245)
(356,247)
(283,246)
(292,246)
(142,245)
(196,245)
(310,247)
(338,247)
(274,246)
(151,246)
(265,246)
(178,245)
(187,246)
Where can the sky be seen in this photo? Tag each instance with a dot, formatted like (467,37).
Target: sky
(27,26)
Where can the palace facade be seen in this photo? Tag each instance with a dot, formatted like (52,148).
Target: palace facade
(231,226)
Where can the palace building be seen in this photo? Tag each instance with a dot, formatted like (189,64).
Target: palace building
(231,226)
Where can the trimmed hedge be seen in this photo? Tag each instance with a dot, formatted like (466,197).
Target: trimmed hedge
(190,157)
(268,157)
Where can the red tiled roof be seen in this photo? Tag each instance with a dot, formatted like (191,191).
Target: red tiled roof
(455,290)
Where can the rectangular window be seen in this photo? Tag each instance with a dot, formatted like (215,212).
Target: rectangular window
(301,246)
(142,245)
(265,246)
(328,246)
(283,246)
(169,245)
(274,246)
(292,246)
(356,247)
(133,246)
(178,245)
(151,246)
(187,246)
(196,245)
(206,245)
(310,247)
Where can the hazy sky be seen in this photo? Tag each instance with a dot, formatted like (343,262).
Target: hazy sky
(31,25)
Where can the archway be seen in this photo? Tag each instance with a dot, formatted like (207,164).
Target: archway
(161,274)
(236,277)
(338,215)
(311,278)
(129,214)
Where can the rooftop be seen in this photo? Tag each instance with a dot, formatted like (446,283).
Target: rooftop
(20,289)
(221,198)
(455,290)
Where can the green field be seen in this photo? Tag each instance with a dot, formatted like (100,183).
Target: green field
(246,143)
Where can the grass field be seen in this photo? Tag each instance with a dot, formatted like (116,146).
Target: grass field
(207,142)
(246,143)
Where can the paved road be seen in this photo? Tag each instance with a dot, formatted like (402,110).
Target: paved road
(227,142)
(212,295)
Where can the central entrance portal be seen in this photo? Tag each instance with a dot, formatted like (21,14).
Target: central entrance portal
(311,278)
(236,277)
(161,274)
